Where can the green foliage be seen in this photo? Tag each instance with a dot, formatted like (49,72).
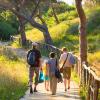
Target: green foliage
(73,29)
(50,21)
(61,8)
(73,14)
(63,17)
(83,92)
(8,25)
(93,43)
(74,76)
(6,30)
(94,22)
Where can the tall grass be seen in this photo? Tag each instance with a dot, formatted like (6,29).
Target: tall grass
(13,78)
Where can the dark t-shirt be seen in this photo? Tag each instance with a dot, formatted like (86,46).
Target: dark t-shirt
(37,56)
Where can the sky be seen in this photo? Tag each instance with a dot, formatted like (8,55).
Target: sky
(70,2)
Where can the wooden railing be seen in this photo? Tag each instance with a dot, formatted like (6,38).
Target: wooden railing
(91,81)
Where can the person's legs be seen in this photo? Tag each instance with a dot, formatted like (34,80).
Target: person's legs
(50,83)
(31,74)
(68,76)
(65,78)
(54,85)
(68,83)
(65,83)
(47,82)
(36,69)
(47,85)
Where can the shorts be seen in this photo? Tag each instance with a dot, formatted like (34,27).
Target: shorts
(47,78)
(67,72)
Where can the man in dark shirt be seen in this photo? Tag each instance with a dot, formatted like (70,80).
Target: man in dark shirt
(34,68)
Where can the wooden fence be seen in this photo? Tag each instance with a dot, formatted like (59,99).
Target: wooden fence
(92,81)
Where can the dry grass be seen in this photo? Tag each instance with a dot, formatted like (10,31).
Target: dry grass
(13,78)
(95,59)
(34,35)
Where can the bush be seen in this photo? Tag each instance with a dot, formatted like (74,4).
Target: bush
(93,21)
(73,14)
(63,17)
(61,8)
(8,25)
(73,29)
(6,30)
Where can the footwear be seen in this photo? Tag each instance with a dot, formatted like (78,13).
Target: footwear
(53,94)
(31,90)
(65,89)
(68,87)
(35,90)
(47,89)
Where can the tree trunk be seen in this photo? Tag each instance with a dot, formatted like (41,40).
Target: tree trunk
(22,31)
(46,33)
(82,31)
(55,16)
(47,37)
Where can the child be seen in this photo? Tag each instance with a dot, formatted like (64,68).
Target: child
(46,76)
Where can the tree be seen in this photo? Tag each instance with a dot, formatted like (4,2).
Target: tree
(54,13)
(27,10)
(82,31)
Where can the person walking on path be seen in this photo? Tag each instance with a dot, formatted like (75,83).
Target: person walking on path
(51,65)
(46,76)
(64,59)
(34,60)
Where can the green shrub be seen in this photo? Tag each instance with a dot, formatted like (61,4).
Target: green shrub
(73,29)
(93,21)
(93,43)
(63,17)
(6,30)
(73,14)
(8,25)
(61,8)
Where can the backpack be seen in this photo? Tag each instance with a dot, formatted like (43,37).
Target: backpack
(72,59)
(31,58)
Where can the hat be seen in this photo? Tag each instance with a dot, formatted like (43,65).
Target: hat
(34,44)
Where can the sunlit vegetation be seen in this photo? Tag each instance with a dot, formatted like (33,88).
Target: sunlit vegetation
(13,71)
(13,76)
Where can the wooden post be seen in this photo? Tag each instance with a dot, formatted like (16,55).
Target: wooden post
(89,89)
(96,90)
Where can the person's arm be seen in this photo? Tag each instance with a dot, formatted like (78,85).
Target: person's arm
(40,64)
(60,60)
(47,69)
(28,55)
(40,60)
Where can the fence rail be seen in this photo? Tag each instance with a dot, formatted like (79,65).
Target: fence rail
(91,81)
